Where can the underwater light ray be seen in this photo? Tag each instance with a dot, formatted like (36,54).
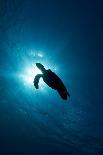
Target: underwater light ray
(30,70)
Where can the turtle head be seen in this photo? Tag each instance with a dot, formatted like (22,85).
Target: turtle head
(41,67)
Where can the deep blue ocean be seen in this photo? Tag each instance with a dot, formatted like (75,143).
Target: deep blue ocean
(66,37)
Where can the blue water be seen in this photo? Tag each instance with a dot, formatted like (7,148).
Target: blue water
(66,36)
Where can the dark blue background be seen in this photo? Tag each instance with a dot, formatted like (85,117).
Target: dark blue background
(70,35)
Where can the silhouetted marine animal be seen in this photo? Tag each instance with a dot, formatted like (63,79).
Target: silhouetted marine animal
(52,80)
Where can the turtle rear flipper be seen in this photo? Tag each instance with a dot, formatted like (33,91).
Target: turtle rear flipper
(63,94)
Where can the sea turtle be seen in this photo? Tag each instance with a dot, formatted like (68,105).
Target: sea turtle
(52,80)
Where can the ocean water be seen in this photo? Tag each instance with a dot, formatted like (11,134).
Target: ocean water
(65,36)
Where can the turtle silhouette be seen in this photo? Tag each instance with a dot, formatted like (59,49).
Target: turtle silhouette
(52,80)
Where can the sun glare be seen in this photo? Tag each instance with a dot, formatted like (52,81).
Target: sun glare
(29,74)
(30,70)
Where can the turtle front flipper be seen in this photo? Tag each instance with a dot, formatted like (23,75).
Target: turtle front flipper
(36,80)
